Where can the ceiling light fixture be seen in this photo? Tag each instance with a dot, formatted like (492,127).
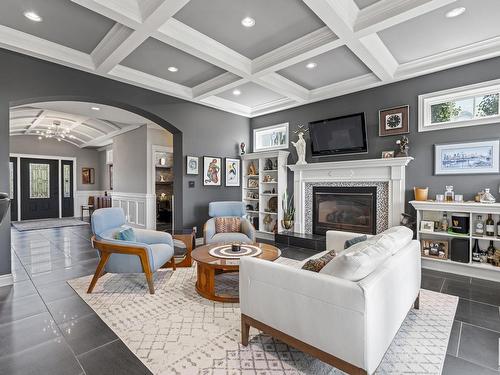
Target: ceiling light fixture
(248,22)
(32,16)
(311,65)
(173,69)
(236,92)
(96,108)
(55,130)
(455,12)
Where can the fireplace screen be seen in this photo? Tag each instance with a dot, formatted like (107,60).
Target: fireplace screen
(350,209)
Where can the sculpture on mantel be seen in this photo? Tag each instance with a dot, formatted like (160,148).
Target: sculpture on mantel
(403,146)
(300,145)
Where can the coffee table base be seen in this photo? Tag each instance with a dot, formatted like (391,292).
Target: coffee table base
(205,284)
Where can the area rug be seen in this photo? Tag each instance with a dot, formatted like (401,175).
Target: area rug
(175,331)
(47,224)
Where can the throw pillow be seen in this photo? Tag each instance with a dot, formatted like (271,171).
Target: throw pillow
(354,240)
(227,225)
(316,264)
(126,234)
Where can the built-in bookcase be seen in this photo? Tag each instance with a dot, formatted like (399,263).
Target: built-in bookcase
(263,191)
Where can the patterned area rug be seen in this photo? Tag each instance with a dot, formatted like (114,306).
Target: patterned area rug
(47,224)
(176,331)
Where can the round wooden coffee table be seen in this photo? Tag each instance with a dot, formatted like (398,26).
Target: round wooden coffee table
(209,266)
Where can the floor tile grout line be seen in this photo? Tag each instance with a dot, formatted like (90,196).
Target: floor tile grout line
(101,346)
(459,337)
(476,326)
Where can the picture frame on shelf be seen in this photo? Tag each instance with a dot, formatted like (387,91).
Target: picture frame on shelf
(192,165)
(212,171)
(474,157)
(394,121)
(387,154)
(253,183)
(427,226)
(233,172)
(273,137)
(434,249)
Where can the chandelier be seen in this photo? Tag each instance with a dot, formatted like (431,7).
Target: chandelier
(55,130)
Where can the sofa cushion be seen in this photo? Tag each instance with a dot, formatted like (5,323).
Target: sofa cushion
(393,239)
(125,234)
(227,225)
(316,264)
(357,262)
(354,241)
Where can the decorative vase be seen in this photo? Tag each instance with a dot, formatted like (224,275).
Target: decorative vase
(287,224)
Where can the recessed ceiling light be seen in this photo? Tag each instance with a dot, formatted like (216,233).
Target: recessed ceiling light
(96,108)
(32,16)
(311,65)
(248,22)
(173,69)
(236,92)
(40,137)
(455,12)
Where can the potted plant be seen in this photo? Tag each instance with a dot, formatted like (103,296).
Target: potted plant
(288,211)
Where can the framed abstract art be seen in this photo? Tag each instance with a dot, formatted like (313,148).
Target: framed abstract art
(212,171)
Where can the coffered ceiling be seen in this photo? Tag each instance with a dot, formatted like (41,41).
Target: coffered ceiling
(297,51)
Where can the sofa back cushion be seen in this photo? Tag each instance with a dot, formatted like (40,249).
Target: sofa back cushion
(227,225)
(393,239)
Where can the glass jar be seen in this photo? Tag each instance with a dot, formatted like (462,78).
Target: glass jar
(487,197)
(479,226)
(449,194)
(444,222)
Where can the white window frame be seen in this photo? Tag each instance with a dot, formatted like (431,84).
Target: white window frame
(425,102)
(269,129)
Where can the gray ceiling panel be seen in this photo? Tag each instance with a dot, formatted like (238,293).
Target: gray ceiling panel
(332,67)
(64,22)
(432,33)
(251,95)
(277,22)
(154,57)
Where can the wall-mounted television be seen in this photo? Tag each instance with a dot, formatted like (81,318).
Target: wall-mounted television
(339,135)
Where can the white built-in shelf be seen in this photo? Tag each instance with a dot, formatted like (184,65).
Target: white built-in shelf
(269,194)
(269,170)
(444,234)
(268,213)
(270,182)
(252,212)
(250,199)
(252,175)
(251,188)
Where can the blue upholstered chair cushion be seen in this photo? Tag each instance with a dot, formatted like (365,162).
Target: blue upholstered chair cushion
(228,208)
(126,234)
(159,254)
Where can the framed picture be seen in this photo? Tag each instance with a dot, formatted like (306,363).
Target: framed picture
(88,175)
(192,164)
(212,171)
(394,121)
(426,226)
(387,154)
(271,137)
(233,174)
(253,183)
(434,248)
(479,157)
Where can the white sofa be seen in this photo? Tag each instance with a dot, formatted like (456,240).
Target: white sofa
(348,324)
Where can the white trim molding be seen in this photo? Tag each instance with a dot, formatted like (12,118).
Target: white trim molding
(426,101)
(392,171)
(6,280)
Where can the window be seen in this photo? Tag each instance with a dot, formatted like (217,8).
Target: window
(67,181)
(11,180)
(463,106)
(39,181)
(271,137)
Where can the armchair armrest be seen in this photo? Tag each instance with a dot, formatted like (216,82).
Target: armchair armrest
(247,228)
(151,237)
(121,247)
(208,230)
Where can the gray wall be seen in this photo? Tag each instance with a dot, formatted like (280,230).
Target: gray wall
(84,157)
(420,171)
(197,130)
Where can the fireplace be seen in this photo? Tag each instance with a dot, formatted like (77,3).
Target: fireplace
(351,209)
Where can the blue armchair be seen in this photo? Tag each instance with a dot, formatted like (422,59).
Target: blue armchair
(228,209)
(147,252)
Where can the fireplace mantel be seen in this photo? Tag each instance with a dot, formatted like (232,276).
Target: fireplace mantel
(391,171)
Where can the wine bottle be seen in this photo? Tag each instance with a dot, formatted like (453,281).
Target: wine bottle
(491,252)
(490,226)
(498,228)
(479,227)
(476,252)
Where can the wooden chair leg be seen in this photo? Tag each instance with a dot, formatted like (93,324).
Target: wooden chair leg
(147,272)
(245,331)
(98,271)
(173,264)
(416,304)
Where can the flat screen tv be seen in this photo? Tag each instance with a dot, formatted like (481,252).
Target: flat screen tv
(339,135)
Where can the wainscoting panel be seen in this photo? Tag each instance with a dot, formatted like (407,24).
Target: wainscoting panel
(137,207)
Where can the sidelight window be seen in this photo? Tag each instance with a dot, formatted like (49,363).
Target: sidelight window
(39,181)
(67,181)
(11,180)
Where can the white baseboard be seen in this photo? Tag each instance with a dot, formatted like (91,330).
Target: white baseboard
(6,280)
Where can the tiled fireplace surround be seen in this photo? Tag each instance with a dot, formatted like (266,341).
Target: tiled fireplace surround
(387,175)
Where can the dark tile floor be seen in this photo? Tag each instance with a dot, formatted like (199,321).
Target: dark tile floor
(45,328)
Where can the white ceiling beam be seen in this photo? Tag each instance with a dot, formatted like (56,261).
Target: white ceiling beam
(385,14)
(99,140)
(345,87)
(228,105)
(121,41)
(216,85)
(123,11)
(40,117)
(306,47)
(283,86)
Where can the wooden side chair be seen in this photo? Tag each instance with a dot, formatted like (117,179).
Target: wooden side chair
(146,253)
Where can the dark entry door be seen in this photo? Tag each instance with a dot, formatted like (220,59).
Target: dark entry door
(13,188)
(67,199)
(39,189)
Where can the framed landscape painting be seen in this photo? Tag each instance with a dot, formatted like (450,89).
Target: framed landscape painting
(233,172)
(478,157)
(212,171)
(271,137)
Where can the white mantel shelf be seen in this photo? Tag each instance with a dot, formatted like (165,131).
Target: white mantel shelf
(390,170)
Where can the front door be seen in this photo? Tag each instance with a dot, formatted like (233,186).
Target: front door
(67,204)
(13,188)
(39,189)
